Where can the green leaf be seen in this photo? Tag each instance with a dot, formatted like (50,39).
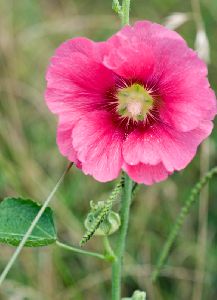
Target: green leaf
(16,216)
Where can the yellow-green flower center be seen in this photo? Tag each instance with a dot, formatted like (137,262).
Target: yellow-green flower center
(134,102)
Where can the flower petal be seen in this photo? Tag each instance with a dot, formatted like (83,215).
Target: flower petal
(126,61)
(161,143)
(98,144)
(64,140)
(147,174)
(132,49)
(78,44)
(77,85)
(185,91)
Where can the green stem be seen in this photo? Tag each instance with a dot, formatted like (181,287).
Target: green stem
(80,251)
(181,217)
(108,249)
(117,265)
(125,16)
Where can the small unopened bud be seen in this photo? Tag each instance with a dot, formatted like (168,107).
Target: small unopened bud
(109,224)
(137,295)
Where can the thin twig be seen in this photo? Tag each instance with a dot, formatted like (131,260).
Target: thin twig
(80,251)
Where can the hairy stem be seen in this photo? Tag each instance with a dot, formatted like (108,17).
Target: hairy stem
(125,16)
(32,226)
(80,251)
(117,264)
(180,220)
(110,255)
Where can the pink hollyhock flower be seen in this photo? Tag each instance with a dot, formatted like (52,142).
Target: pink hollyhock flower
(139,102)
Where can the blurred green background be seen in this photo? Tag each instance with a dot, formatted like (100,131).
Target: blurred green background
(30,165)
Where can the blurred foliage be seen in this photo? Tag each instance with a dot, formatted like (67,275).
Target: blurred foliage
(30,164)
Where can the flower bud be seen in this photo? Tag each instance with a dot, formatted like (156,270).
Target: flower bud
(109,224)
(137,295)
